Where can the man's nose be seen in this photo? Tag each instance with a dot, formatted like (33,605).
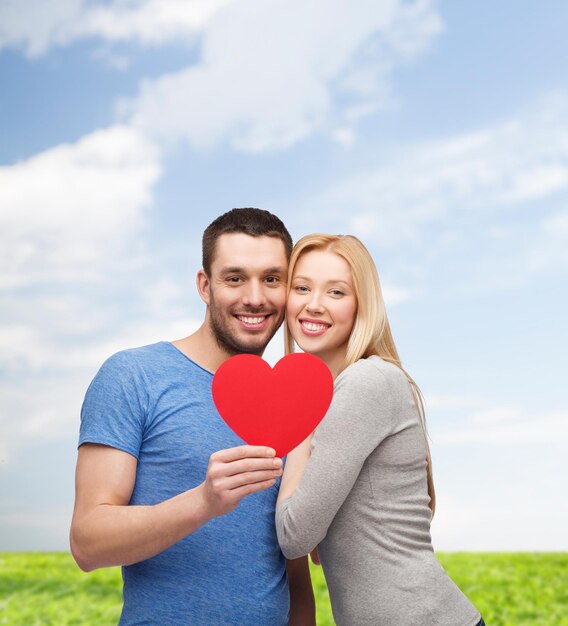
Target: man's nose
(254,295)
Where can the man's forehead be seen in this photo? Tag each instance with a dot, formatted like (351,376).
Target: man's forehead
(238,250)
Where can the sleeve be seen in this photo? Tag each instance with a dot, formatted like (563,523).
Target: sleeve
(359,418)
(115,406)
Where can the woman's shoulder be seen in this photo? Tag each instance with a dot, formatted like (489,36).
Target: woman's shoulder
(373,389)
(372,379)
(373,367)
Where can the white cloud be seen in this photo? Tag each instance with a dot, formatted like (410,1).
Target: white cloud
(344,137)
(396,295)
(38,25)
(65,211)
(517,520)
(269,71)
(53,373)
(506,426)
(548,252)
(35,349)
(149,21)
(452,402)
(70,217)
(496,415)
(430,183)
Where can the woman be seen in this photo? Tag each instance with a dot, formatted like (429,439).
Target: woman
(365,496)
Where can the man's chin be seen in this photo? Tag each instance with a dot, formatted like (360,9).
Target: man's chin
(257,346)
(237,340)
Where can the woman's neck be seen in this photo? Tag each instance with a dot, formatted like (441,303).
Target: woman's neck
(334,360)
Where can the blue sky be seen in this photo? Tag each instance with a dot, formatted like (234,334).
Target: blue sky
(435,131)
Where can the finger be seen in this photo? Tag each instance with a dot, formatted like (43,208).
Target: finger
(247,490)
(249,478)
(251,465)
(242,452)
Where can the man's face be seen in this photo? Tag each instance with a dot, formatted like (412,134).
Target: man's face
(246,292)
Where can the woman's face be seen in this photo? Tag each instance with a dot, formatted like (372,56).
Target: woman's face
(321,305)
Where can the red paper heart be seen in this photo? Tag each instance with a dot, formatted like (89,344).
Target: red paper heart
(276,407)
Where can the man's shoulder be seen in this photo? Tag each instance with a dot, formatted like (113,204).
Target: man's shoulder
(134,363)
(131,357)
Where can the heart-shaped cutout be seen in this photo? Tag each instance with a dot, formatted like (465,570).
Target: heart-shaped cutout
(276,407)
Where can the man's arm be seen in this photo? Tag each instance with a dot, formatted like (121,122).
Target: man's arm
(302,602)
(106,531)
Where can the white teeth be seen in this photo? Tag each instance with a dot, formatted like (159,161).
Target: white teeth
(251,320)
(312,326)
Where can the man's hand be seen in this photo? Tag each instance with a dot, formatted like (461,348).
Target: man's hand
(238,472)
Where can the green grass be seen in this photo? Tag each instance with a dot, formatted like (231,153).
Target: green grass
(520,589)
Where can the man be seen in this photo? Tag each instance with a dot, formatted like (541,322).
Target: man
(163,487)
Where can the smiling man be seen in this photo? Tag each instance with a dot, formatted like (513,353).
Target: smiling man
(163,486)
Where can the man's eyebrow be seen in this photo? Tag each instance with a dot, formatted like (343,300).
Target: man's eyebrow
(232,270)
(241,270)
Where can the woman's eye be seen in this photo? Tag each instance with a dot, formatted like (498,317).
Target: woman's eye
(301,288)
(336,292)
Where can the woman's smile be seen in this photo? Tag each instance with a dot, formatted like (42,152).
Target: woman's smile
(313,328)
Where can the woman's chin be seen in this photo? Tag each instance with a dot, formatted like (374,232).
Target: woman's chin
(307,349)
(302,345)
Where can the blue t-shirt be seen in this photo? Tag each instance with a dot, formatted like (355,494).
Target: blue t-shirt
(155,403)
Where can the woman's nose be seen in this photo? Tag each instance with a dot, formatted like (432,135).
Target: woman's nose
(314,305)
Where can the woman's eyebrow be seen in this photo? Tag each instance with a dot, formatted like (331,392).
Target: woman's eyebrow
(329,282)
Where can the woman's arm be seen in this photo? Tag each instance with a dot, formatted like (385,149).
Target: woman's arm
(296,462)
(362,413)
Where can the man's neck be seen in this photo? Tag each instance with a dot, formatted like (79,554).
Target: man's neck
(203,349)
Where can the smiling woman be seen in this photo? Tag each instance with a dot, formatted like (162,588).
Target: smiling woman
(361,490)
(322,304)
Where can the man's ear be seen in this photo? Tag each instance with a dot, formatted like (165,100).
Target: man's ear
(203,284)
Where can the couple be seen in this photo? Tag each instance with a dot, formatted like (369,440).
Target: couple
(165,489)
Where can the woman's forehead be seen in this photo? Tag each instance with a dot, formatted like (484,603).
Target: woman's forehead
(322,263)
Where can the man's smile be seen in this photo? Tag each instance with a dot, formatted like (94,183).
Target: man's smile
(256,322)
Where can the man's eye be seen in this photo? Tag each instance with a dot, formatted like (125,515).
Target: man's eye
(272,279)
(233,279)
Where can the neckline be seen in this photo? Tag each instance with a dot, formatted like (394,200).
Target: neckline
(184,355)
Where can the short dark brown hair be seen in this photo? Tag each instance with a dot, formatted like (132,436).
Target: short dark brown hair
(253,222)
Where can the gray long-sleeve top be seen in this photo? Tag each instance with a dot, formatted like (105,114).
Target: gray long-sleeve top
(363,500)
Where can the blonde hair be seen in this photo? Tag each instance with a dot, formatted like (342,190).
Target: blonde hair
(371,333)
